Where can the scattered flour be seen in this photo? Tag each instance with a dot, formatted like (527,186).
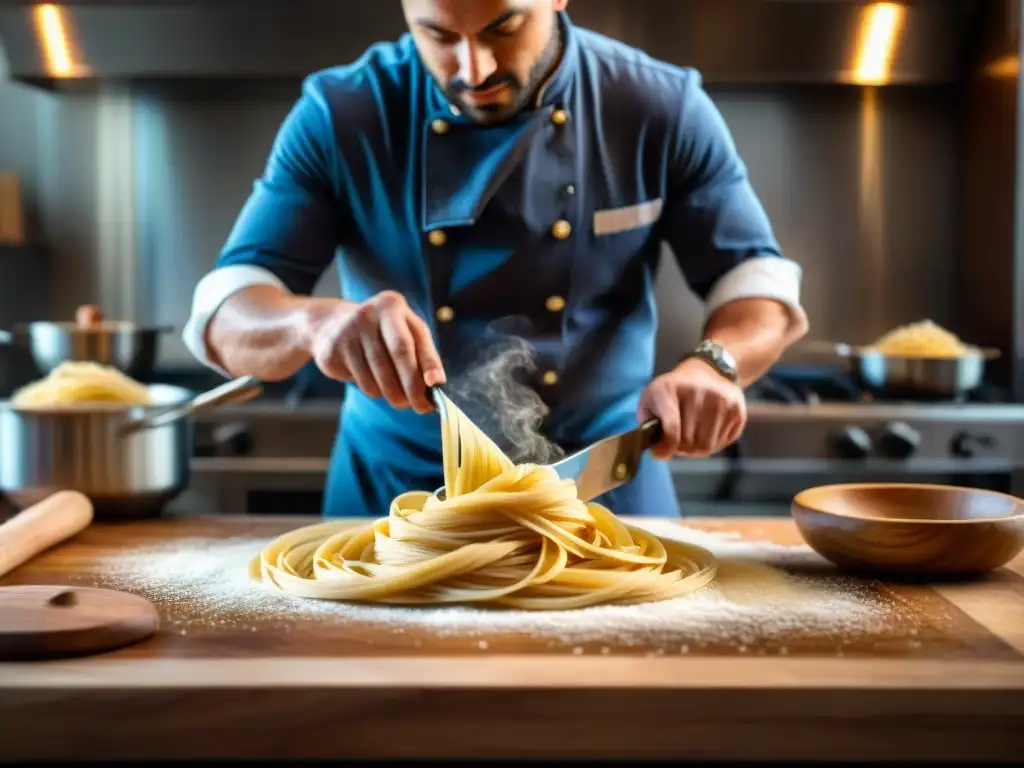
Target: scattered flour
(753,603)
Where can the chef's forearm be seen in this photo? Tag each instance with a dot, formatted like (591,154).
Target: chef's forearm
(264,332)
(756,332)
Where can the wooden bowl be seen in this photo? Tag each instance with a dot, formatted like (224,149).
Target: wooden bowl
(909,528)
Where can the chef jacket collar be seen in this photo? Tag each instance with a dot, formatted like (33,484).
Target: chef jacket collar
(552,93)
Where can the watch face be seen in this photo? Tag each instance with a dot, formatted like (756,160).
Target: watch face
(728,360)
(719,356)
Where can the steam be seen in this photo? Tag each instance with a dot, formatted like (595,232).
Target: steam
(492,392)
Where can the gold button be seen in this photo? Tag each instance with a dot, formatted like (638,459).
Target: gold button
(445,314)
(439,126)
(561,229)
(437,237)
(555,303)
(559,117)
(550,378)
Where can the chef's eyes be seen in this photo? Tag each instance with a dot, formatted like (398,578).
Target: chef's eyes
(441,36)
(507,28)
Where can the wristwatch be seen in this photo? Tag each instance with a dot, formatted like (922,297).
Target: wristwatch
(717,357)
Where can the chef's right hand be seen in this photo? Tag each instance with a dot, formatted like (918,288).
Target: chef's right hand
(383,347)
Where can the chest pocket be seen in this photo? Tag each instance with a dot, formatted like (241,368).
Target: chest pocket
(619,234)
(618,246)
(630,218)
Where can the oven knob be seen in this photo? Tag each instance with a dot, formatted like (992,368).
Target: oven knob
(853,443)
(964,445)
(899,440)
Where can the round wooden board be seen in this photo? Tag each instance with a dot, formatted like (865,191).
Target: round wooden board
(49,621)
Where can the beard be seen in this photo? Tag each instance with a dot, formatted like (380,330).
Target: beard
(457,92)
(520,93)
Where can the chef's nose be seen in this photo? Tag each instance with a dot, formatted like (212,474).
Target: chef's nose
(476,63)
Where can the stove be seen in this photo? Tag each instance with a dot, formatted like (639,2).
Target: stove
(819,414)
(812,425)
(807,426)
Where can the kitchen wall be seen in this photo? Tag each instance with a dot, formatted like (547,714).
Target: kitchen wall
(991,224)
(50,141)
(136,191)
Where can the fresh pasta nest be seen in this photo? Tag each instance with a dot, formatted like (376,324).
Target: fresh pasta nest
(506,535)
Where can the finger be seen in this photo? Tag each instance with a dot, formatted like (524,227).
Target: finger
(690,405)
(359,370)
(739,423)
(732,435)
(379,360)
(644,409)
(426,353)
(660,401)
(712,418)
(401,344)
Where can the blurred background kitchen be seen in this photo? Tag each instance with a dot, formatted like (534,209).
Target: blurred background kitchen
(884,139)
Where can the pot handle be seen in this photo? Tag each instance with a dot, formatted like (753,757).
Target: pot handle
(235,391)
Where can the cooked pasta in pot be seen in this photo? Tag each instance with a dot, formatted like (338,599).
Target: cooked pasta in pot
(921,339)
(80,383)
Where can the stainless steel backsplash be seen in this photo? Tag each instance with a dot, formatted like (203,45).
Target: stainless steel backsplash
(134,194)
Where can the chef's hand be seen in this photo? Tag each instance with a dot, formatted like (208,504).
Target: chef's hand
(701,411)
(383,347)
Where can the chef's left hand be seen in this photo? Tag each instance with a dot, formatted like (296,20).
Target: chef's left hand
(701,411)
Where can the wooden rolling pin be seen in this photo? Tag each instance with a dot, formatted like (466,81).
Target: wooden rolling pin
(33,530)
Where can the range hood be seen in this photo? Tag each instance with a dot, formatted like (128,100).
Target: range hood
(731,41)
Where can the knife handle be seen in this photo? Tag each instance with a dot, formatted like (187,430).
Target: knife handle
(650,433)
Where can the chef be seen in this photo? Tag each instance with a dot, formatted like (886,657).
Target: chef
(495,163)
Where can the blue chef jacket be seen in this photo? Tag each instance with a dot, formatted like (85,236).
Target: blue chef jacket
(553,219)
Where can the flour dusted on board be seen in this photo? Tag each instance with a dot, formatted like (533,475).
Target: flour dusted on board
(200,582)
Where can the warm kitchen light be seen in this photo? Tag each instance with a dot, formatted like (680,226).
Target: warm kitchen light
(52,28)
(880,28)
(1005,67)
(871,218)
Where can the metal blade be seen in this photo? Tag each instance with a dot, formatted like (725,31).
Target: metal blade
(604,465)
(434,393)
(608,463)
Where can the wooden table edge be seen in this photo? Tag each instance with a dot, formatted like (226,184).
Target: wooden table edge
(518,671)
(806,709)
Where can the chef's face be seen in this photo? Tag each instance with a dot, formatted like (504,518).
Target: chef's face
(489,56)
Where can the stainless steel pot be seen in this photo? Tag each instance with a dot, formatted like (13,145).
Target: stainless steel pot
(930,377)
(123,345)
(129,461)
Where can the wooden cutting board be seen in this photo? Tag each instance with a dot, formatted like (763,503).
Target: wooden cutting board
(50,621)
(919,672)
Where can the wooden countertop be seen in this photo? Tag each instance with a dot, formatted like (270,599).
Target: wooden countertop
(941,678)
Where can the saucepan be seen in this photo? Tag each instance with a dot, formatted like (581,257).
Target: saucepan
(123,345)
(895,376)
(129,461)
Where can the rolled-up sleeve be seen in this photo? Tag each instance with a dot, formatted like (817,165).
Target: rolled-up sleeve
(289,228)
(713,220)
